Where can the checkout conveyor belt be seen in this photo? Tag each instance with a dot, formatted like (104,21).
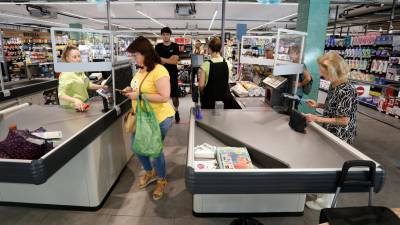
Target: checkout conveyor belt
(252,103)
(78,129)
(287,161)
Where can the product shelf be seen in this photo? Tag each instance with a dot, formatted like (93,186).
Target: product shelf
(373,106)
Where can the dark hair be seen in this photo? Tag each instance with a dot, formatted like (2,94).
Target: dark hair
(215,44)
(166,30)
(144,47)
(66,52)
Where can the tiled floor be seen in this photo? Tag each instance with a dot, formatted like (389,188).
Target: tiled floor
(127,205)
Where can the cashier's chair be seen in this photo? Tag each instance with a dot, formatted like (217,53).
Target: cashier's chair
(367,215)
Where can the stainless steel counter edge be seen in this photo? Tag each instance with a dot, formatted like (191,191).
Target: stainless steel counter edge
(261,181)
(38,171)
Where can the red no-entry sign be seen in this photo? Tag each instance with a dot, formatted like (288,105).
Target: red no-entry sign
(360,90)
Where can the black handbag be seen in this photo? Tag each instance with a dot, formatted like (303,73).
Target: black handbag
(367,215)
(297,121)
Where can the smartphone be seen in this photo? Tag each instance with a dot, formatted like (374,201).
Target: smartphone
(119,90)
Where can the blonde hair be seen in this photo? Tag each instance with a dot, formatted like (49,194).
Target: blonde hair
(66,52)
(335,65)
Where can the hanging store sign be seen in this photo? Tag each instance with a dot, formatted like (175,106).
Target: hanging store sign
(241,30)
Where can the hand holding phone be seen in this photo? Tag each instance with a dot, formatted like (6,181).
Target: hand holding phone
(120,91)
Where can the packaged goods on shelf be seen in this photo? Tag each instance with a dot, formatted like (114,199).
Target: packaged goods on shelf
(324,84)
(356,75)
(389,105)
(393,74)
(24,48)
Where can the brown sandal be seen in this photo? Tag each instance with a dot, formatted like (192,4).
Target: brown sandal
(147,178)
(160,189)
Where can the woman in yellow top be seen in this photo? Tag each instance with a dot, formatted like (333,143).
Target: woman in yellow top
(156,89)
(73,86)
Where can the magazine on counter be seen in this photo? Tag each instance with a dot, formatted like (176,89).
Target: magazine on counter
(234,158)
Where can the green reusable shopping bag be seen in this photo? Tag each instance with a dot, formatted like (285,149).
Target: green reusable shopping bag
(148,141)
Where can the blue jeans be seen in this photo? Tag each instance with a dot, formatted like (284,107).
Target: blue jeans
(159,162)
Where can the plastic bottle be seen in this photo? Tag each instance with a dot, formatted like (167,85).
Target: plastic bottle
(380,68)
(373,65)
(385,66)
(197,112)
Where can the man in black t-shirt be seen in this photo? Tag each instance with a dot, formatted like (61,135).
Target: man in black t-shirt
(169,54)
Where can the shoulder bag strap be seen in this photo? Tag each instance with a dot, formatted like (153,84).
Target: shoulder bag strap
(141,83)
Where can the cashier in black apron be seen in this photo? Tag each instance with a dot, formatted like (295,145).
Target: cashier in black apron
(214,79)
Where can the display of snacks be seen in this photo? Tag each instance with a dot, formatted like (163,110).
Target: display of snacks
(262,46)
(24,48)
(393,74)
(356,75)
(1,48)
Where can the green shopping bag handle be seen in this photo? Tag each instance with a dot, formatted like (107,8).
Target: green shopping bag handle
(146,104)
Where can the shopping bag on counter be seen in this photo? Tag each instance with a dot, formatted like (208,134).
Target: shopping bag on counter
(148,140)
(21,144)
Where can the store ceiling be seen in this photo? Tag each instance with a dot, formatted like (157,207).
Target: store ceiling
(127,16)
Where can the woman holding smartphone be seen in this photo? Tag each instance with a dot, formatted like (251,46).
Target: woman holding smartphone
(152,82)
(340,109)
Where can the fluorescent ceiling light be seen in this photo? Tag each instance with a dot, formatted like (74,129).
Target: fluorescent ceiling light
(28,18)
(212,21)
(96,20)
(123,27)
(273,21)
(84,17)
(149,17)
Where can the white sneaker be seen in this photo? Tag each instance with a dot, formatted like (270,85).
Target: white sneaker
(314,205)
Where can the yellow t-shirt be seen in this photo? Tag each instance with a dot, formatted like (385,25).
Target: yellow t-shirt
(162,110)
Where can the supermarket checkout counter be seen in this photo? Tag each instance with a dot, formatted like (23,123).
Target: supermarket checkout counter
(288,164)
(21,88)
(82,167)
